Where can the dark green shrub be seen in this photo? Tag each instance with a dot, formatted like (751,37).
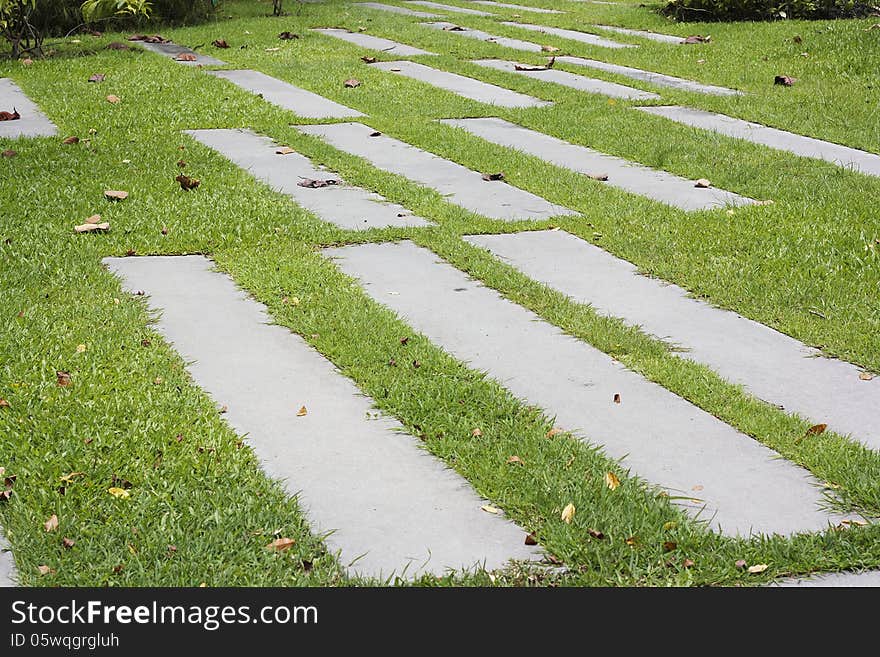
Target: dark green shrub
(733,10)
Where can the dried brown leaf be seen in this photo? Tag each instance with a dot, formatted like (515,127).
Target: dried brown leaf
(553,432)
(515,460)
(51,524)
(115,195)
(219,43)
(316,184)
(97,77)
(703,183)
(351,83)
(68,542)
(113,99)
(187,183)
(186,57)
(281,544)
(70,140)
(784,80)
(616,398)
(669,546)
(595,533)
(494,176)
(531,539)
(62,378)
(303,411)
(368,60)
(9,153)
(284,150)
(90,227)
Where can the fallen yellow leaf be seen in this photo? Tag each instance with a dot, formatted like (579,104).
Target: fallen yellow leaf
(284,150)
(554,431)
(488,508)
(611,480)
(758,568)
(120,493)
(80,348)
(568,513)
(302,411)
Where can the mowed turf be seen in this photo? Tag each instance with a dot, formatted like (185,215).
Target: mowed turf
(199,510)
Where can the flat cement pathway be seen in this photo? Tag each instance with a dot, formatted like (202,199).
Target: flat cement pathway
(461,186)
(373,42)
(344,205)
(770,365)
(574,35)
(33,123)
(285,95)
(737,484)
(390,505)
(623,174)
(850,158)
(482,92)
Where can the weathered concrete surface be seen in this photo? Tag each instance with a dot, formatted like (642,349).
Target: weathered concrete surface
(653,36)
(660,79)
(7,563)
(460,185)
(768,364)
(739,485)
(868,578)
(299,101)
(571,80)
(172,50)
(394,9)
(462,85)
(390,505)
(574,35)
(33,123)
(517,44)
(344,205)
(850,158)
(651,183)
(507,5)
(449,8)
(374,42)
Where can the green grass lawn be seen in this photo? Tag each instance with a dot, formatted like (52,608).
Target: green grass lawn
(199,509)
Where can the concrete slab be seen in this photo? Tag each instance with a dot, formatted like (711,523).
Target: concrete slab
(659,79)
(374,43)
(452,28)
(460,185)
(7,563)
(507,5)
(33,123)
(623,174)
(642,34)
(571,80)
(344,205)
(390,505)
(482,92)
(299,101)
(865,579)
(449,8)
(574,35)
(768,364)
(742,486)
(394,9)
(850,158)
(173,50)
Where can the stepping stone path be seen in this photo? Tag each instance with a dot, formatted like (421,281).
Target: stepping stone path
(348,207)
(659,79)
(7,563)
(768,364)
(390,505)
(574,35)
(394,9)
(374,43)
(571,80)
(32,122)
(173,50)
(460,185)
(464,86)
(851,158)
(739,486)
(299,101)
(484,36)
(651,183)
(507,5)
(653,36)
(870,578)
(449,8)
